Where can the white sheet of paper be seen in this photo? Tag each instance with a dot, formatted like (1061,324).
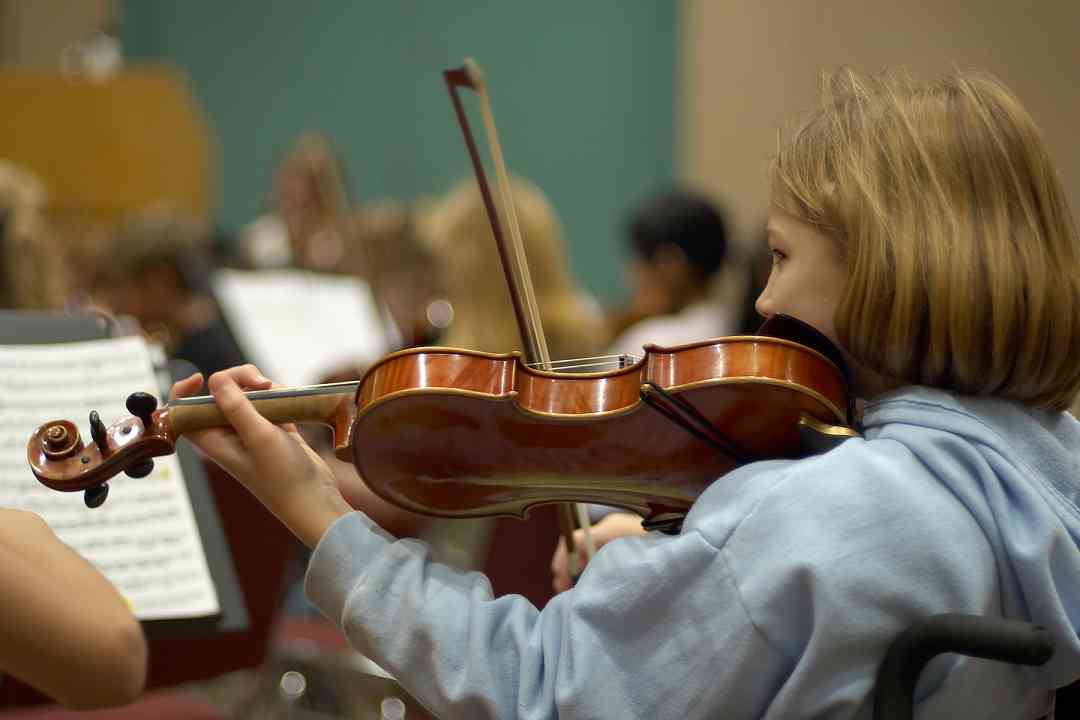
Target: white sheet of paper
(144,538)
(297,326)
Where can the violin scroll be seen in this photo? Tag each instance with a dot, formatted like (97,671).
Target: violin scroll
(61,460)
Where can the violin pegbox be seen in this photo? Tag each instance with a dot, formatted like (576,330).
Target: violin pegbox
(142,405)
(61,460)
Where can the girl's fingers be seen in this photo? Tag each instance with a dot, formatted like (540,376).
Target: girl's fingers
(558,560)
(252,427)
(560,579)
(224,447)
(248,377)
(188,386)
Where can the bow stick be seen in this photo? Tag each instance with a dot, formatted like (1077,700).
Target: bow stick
(515,266)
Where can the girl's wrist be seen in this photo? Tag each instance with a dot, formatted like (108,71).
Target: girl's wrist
(311,515)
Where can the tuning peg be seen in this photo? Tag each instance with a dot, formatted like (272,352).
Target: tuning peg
(97,431)
(142,406)
(142,469)
(95,496)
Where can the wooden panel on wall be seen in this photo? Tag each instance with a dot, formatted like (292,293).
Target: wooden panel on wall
(747,66)
(105,148)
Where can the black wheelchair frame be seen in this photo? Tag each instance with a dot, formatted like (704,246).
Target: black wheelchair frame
(1008,641)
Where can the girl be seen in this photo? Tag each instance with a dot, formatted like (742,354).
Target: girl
(921,228)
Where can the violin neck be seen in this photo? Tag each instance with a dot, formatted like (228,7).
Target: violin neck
(322,404)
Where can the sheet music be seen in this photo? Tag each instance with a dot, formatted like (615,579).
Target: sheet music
(144,538)
(297,326)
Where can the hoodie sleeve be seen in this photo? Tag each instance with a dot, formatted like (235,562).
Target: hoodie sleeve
(654,628)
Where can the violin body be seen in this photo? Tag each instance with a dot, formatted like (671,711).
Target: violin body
(457,433)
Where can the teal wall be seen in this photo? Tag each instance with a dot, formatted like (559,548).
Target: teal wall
(583,94)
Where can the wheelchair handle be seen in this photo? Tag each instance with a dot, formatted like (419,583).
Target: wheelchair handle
(1009,641)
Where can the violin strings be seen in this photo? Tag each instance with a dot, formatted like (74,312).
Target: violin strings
(585,362)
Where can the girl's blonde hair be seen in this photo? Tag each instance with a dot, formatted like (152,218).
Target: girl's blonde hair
(963,257)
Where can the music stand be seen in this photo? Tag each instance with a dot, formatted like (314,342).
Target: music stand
(247,550)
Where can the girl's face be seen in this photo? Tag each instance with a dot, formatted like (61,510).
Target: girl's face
(807,281)
(808,273)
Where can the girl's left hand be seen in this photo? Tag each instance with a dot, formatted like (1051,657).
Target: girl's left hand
(273,462)
(611,526)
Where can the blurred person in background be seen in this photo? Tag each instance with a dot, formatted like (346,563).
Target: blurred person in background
(308,204)
(34,272)
(483,317)
(386,250)
(679,244)
(155,269)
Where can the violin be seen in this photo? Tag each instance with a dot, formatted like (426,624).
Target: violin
(460,433)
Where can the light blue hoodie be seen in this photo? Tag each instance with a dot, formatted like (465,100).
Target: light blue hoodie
(779,597)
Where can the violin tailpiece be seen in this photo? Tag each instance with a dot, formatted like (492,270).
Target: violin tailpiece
(688,418)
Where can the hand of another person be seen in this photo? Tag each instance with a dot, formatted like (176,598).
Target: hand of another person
(272,461)
(66,630)
(617,524)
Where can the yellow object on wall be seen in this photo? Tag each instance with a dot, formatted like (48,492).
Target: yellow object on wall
(106,148)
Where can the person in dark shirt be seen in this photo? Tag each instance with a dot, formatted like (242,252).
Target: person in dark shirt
(155,268)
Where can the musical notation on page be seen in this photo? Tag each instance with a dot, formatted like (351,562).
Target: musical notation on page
(297,326)
(145,538)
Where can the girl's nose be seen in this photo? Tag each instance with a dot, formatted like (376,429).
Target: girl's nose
(763,304)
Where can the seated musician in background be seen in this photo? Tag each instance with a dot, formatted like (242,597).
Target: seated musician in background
(308,204)
(155,268)
(64,629)
(920,227)
(34,274)
(483,317)
(679,244)
(388,251)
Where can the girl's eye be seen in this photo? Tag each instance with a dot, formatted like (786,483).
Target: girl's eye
(777,256)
